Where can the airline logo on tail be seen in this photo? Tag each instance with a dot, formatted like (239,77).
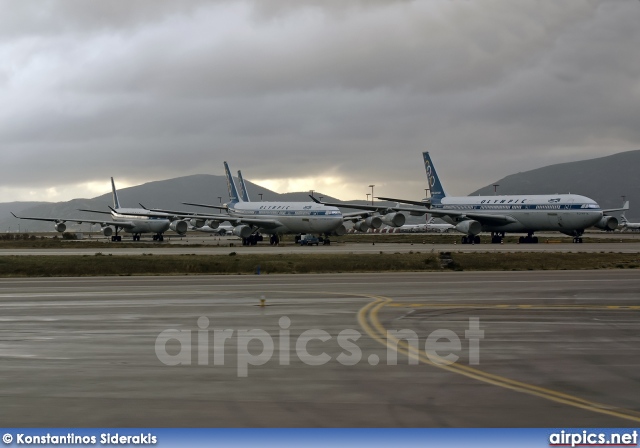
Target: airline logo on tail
(231,186)
(437,192)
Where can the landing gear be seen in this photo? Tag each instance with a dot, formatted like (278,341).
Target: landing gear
(497,237)
(471,239)
(158,237)
(274,240)
(116,237)
(252,240)
(577,240)
(136,237)
(529,239)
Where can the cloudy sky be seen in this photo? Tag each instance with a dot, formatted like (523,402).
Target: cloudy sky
(331,95)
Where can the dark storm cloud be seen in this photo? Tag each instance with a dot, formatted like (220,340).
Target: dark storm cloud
(293,89)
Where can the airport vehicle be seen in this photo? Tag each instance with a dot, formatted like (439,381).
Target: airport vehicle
(566,213)
(134,221)
(626,225)
(309,240)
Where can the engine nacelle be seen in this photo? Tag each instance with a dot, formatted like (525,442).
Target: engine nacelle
(340,230)
(61,227)
(107,231)
(374,222)
(394,219)
(361,226)
(180,227)
(607,223)
(469,227)
(242,231)
(197,223)
(213,224)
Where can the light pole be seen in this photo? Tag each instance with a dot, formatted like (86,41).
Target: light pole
(312,191)
(495,189)
(260,196)
(220,199)
(371,186)
(368,194)
(321,198)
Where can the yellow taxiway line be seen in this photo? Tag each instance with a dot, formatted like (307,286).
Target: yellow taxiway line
(370,323)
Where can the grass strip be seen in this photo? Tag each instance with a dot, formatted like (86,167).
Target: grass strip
(122,265)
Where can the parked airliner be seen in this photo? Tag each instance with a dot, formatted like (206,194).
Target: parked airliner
(626,225)
(566,213)
(249,219)
(135,221)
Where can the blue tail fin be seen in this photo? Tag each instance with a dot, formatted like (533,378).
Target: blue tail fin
(244,194)
(231,185)
(116,202)
(435,187)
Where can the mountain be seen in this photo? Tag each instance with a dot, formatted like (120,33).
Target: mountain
(604,179)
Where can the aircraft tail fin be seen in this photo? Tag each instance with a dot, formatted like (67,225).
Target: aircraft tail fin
(116,201)
(435,187)
(231,185)
(244,194)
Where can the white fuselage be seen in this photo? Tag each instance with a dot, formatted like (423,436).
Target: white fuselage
(292,217)
(561,212)
(626,225)
(220,230)
(142,223)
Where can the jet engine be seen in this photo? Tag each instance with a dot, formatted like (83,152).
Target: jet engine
(242,231)
(213,224)
(107,231)
(61,227)
(374,222)
(340,230)
(607,223)
(197,223)
(180,227)
(361,226)
(469,227)
(394,219)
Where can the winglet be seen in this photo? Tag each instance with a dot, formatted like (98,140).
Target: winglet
(140,204)
(116,202)
(231,185)
(14,215)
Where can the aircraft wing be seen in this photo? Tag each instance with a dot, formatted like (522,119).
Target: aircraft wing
(94,211)
(103,223)
(257,222)
(426,203)
(375,208)
(482,218)
(219,207)
(624,208)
